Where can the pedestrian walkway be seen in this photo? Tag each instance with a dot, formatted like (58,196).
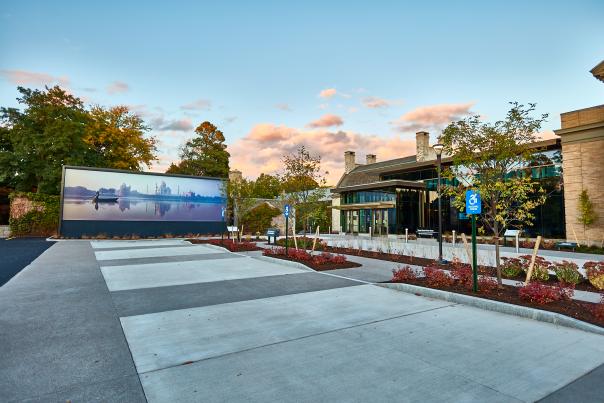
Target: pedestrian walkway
(190,323)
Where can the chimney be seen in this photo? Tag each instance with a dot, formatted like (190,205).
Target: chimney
(422,145)
(235,175)
(371,159)
(349,161)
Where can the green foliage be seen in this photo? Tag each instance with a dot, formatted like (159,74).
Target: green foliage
(259,218)
(303,184)
(204,155)
(267,186)
(587,214)
(55,129)
(116,138)
(42,220)
(567,272)
(493,158)
(511,267)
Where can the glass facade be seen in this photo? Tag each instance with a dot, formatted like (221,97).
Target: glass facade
(418,208)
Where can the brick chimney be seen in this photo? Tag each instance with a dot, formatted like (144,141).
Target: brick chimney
(422,146)
(371,159)
(349,161)
(235,175)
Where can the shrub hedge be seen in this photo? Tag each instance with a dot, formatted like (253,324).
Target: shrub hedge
(41,220)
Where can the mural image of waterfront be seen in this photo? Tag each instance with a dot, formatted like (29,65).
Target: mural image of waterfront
(118,196)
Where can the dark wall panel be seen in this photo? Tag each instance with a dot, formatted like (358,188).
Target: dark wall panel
(79,228)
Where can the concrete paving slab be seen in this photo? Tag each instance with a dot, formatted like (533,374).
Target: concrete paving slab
(58,327)
(168,274)
(99,245)
(147,253)
(126,389)
(169,259)
(172,338)
(150,300)
(451,354)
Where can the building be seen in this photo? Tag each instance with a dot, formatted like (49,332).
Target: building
(392,196)
(395,196)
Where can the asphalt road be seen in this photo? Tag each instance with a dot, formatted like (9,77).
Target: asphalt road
(16,254)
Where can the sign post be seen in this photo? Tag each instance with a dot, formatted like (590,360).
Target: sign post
(286,214)
(474,207)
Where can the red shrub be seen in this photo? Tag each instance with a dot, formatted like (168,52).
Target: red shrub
(540,293)
(403,275)
(299,254)
(487,284)
(274,251)
(598,309)
(437,278)
(338,259)
(462,273)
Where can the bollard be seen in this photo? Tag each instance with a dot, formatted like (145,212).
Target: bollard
(406,235)
(453,237)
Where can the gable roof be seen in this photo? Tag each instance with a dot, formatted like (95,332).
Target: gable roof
(598,71)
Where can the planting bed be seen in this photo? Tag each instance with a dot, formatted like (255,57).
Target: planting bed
(228,244)
(574,309)
(320,262)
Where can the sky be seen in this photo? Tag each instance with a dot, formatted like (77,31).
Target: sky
(331,75)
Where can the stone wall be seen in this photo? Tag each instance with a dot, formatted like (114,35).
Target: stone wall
(583,169)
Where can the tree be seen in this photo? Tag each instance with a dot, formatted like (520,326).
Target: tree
(37,141)
(304,184)
(587,214)
(117,139)
(204,155)
(240,200)
(490,158)
(267,186)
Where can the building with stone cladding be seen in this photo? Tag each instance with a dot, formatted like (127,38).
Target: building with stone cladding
(582,138)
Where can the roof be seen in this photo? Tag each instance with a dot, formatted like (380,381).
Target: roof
(598,71)
(369,176)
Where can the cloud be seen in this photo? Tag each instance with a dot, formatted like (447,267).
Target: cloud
(117,87)
(283,107)
(22,77)
(328,93)
(327,120)
(198,105)
(432,116)
(547,134)
(182,125)
(375,102)
(261,150)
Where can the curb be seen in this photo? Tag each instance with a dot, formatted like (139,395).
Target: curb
(284,262)
(496,306)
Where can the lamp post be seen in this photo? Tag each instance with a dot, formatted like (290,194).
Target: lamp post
(438,149)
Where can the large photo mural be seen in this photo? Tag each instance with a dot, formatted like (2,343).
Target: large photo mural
(97,195)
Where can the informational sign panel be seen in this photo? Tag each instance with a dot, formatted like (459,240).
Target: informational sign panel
(286,211)
(113,202)
(473,202)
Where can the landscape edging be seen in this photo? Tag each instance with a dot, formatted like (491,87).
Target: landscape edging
(284,262)
(496,306)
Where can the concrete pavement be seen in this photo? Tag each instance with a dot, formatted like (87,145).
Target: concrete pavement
(206,325)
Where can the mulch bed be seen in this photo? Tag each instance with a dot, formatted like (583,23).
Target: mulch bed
(323,267)
(585,285)
(228,244)
(574,309)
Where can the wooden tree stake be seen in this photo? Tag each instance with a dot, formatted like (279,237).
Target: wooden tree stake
(467,247)
(314,243)
(294,234)
(529,272)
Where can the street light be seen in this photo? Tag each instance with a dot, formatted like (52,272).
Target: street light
(438,149)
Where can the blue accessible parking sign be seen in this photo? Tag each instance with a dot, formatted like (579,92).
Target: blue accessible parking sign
(286,211)
(473,202)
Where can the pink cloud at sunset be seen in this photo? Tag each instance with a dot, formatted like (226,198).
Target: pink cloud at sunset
(261,150)
(23,77)
(328,93)
(432,116)
(327,120)
(117,87)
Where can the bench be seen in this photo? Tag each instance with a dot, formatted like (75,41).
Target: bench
(566,245)
(425,233)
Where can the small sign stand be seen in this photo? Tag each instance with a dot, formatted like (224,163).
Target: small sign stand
(286,214)
(474,207)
